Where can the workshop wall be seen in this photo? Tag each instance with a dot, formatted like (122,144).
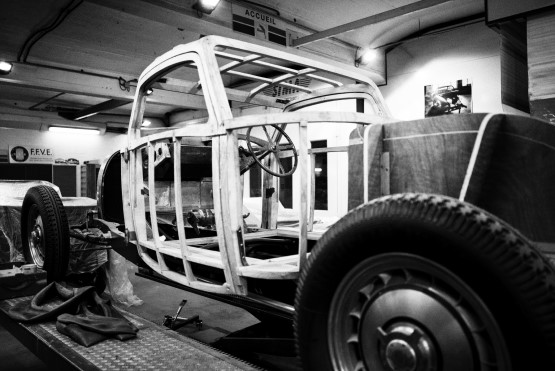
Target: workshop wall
(471,52)
(79,146)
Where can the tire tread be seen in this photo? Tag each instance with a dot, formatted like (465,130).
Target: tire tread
(56,227)
(525,267)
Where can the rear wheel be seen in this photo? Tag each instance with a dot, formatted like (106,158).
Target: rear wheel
(45,231)
(421,283)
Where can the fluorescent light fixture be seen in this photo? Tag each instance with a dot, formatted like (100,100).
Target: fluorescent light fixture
(5,67)
(206,6)
(85,116)
(146,123)
(68,130)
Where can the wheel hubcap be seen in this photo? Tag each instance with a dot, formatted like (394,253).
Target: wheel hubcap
(400,356)
(36,237)
(399,312)
(405,347)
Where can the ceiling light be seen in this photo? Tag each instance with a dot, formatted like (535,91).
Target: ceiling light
(146,123)
(69,130)
(85,116)
(364,56)
(206,6)
(5,67)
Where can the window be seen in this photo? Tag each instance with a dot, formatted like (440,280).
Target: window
(286,185)
(321,175)
(255,179)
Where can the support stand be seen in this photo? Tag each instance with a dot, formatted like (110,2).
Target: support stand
(177,322)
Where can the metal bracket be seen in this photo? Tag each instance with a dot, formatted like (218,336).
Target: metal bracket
(130,236)
(269,192)
(242,247)
(126,154)
(90,217)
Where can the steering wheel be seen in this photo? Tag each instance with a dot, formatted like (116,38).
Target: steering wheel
(274,145)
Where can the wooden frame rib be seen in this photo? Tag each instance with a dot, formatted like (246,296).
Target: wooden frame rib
(152,208)
(303,214)
(179,210)
(239,61)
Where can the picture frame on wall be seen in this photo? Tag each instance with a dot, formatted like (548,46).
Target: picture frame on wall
(448,98)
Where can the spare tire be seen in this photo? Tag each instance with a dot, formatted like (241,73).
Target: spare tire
(45,231)
(425,282)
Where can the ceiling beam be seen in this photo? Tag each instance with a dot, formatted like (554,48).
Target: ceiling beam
(376,18)
(64,81)
(92,85)
(39,120)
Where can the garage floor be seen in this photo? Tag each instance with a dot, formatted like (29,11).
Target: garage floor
(219,319)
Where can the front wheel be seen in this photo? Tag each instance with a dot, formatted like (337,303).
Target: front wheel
(421,283)
(45,231)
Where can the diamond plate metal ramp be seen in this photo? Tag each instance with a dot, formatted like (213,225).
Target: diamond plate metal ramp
(155,348)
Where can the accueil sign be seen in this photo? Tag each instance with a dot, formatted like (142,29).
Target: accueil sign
(259,24)
(25,154)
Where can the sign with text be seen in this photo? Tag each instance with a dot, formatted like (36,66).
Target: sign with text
(259,24)
(25,154)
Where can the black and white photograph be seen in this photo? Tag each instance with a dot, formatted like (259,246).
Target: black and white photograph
(264,185)
(444,99)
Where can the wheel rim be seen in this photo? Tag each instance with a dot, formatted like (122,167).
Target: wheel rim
(35,236)
(401,312)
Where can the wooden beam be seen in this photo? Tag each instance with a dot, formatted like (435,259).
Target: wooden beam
(59,80)
(72,82)
(92,85)
(40,120)
(373,19)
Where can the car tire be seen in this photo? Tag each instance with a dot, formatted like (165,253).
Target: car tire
(45,231)
(425,282)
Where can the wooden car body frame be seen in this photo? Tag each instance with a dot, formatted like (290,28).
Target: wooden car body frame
(430,276)
(221,131)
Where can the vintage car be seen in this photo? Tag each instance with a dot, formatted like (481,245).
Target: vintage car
(392,264)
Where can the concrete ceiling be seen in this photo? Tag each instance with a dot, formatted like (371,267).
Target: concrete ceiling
(77,64)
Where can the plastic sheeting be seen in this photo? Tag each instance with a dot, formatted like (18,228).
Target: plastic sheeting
(12,194)
(85,261)
(117,280)
(10,235)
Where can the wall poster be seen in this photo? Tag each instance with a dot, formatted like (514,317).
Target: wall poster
(448,98)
